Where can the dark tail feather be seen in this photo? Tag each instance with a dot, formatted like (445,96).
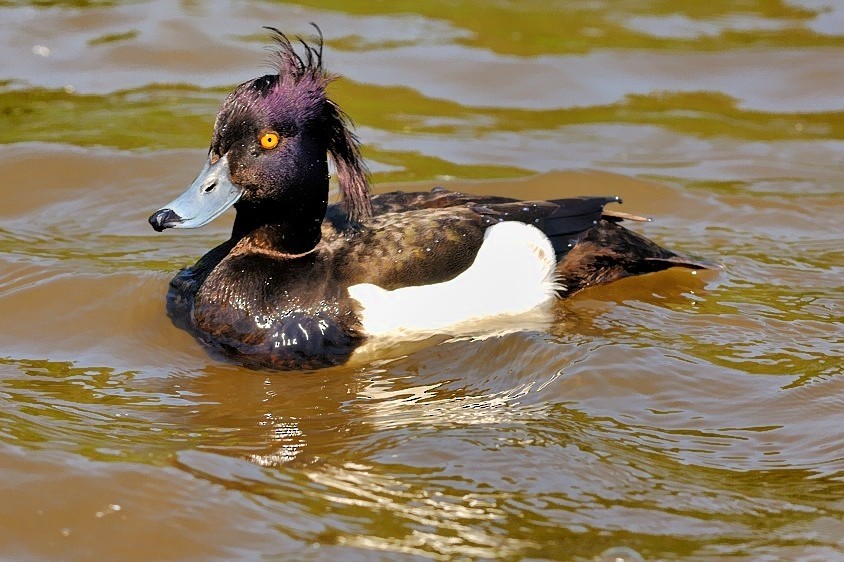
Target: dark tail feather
(609,252)
(573,219)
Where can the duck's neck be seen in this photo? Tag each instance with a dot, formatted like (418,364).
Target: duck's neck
(281,227)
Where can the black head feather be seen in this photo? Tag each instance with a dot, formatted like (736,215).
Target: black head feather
(300,90)
(294,100)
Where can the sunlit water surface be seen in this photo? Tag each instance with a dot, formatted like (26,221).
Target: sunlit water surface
(694,417)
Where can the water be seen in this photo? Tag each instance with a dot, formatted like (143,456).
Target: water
(683,416)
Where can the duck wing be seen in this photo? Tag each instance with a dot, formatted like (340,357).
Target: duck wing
(440,235)
(408,248)
(431,237)
(563,221)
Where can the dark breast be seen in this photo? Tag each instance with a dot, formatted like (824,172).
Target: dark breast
(269,312)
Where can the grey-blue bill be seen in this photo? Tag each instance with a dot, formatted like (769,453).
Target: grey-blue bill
(210,194)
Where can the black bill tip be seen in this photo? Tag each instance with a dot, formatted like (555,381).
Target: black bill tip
(164,218)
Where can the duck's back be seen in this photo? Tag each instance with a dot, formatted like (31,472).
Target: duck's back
(424,238)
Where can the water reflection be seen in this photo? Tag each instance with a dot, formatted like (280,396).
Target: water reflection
(415,451)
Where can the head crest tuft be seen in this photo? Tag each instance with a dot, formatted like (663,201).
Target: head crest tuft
(292,65)
(303,76)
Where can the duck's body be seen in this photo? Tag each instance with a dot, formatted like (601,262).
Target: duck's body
(287,289)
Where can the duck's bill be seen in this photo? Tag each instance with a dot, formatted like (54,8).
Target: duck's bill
(211,193)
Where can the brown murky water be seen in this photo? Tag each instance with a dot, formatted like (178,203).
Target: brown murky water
(693,417)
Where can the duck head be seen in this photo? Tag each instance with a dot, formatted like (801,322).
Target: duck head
(268,154)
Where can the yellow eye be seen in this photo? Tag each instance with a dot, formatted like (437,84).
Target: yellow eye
(269,140)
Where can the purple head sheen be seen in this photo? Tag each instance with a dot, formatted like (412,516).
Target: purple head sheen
(294,101)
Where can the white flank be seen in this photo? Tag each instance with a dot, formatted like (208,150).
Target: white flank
(512,275)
